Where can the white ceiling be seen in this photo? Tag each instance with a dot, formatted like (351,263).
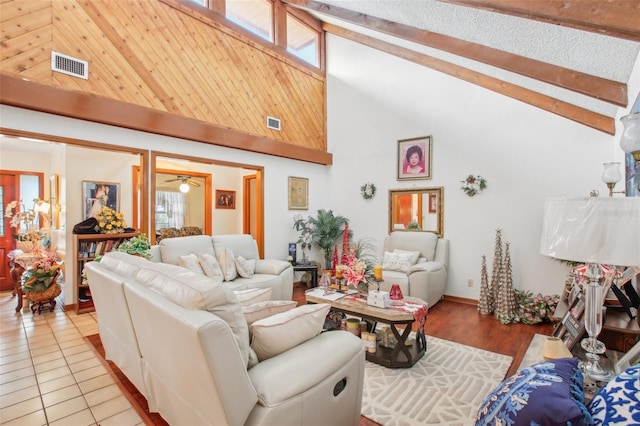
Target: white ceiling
(588,52)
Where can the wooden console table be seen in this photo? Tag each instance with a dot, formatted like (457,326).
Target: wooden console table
(619,332)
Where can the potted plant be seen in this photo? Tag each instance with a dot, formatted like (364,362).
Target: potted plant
(137,246)
(326,228)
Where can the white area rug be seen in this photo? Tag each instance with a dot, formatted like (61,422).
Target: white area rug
(445,387)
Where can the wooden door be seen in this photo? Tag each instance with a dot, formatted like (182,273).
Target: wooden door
(8,191)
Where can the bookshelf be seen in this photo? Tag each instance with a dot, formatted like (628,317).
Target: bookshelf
(86,247)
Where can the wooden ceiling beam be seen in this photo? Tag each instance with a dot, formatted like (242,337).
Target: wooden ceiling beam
(572,112)
(596,87)
(614,18)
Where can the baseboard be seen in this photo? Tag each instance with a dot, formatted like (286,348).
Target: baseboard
(461,300)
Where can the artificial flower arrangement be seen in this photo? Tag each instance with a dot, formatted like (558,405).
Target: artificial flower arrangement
(356,266)
(473,185)
(42,272)
(534,309)
(110,221)
(368,190)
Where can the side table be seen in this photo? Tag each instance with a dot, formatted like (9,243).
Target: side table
(312,269)
(16,270)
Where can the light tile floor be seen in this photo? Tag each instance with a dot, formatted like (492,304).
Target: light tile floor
(50,376)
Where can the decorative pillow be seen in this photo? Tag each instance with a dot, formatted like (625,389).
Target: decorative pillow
(245,268)
(260,310)
(618,402)
(281,332)
(190,262)
(547,393)
(253,295)
(228,265)
(414,255)
(210,266)
(400,262)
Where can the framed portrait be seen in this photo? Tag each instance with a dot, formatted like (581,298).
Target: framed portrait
(298,193)
(54,195)
(225,199)
(99,194)
(433,203)
(414,158)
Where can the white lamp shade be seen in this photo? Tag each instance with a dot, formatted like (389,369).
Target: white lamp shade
(630,139)
(611,173)
(592,230)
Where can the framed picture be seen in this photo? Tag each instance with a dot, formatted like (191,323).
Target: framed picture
(298,193)
(99,194)
(571,328)
(433,203)
(54,195)
(632,357)
(225,199)
(414,158)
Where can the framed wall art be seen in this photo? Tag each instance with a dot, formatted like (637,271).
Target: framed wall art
(99,194)
(414,158)
(433,203)
(298,191)
(571,328)
(225,199)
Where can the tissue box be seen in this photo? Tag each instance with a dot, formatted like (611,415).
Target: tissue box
(379,298)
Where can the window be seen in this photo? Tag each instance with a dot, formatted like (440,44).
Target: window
(302,41)
(201,2)
(253,15)
(171,209)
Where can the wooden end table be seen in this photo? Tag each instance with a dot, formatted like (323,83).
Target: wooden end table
(401,355)
(312,269)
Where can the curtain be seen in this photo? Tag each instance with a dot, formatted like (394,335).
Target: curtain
(171,209)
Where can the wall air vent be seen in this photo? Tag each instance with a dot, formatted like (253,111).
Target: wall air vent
(70,66)
(273,123)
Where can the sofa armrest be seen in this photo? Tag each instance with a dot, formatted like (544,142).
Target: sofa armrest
(156,256)
(430,266)
(271,266)
(327,353)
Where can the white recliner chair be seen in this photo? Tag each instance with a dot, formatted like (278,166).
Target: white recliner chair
(417,262)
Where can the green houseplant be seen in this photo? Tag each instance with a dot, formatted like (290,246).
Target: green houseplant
(326,228)
(137,246)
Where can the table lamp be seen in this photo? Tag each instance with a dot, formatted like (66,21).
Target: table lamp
(593,231)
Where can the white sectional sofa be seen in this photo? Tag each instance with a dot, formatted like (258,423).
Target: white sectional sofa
(182,339)
(269,273)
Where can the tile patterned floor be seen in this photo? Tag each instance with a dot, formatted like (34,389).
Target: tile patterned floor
(50,376)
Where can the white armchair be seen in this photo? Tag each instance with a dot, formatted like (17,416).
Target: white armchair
(424,277)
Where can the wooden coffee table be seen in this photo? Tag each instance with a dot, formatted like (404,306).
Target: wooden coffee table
(400,356)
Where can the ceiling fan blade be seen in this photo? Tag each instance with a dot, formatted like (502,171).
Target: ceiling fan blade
(172,180)
(193,182)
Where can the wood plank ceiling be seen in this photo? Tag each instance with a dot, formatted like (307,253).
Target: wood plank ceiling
(585,96)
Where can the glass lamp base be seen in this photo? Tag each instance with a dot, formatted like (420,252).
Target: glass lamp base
(591,366)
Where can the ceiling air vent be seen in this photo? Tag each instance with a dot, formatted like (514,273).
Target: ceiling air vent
(273,123)
(70,66)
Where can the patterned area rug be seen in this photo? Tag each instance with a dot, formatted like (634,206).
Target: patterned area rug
(445,387)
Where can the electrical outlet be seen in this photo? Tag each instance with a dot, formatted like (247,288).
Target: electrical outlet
(470,282)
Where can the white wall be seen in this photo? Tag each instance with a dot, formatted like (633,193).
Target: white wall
(524,153)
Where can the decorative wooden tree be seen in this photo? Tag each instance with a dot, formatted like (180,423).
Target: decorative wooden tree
(507,303)
(496,273)
(345,245)
(485,304)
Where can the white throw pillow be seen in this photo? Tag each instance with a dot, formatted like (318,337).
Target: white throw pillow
(260,310)
(280,332)
(245,268)
(396,261)
(228,265)
(190,261)
(253,295)
(210,266)
(414,254)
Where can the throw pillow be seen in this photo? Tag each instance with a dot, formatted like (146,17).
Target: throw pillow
(228,265)
(245,268)
(190,262)
(281,332)
(414,255)
(400,262)
(547,393)
(253,295)
(210,266)
(617,402)
(260,310)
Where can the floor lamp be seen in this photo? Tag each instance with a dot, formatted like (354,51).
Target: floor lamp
(593,231)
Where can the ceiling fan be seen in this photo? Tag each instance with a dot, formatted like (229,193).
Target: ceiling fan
(185,182)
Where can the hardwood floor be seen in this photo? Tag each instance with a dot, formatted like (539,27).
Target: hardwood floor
(454,321)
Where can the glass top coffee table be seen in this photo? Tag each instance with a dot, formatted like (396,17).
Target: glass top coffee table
(402,355)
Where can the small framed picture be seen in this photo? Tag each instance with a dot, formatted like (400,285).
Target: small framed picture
(632,357)
(225,199)
(298,193)
(433,203)
(414,158)
(97,195)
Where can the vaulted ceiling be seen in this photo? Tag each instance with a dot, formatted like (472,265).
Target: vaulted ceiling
(571,57)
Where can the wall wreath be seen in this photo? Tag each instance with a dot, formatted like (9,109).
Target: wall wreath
(368,190)
(473,184)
